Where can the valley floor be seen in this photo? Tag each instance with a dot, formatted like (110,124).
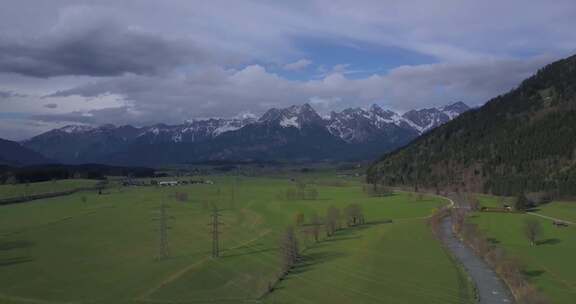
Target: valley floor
(103,249)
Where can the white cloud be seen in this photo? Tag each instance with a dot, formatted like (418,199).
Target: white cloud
(298,65)
(229,92)
(178,59)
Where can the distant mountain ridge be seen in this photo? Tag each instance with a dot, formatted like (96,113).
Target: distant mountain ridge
(522,141)
(295,132)
(14,154)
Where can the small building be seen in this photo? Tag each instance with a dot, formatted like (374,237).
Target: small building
(168,183)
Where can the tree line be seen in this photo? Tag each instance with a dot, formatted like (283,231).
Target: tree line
(313,228)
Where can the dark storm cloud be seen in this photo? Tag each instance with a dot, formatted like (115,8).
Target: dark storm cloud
(113,115)
(9,94)
(101,50)
(75,117)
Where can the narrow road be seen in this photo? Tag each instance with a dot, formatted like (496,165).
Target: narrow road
(550,218)
(490,288)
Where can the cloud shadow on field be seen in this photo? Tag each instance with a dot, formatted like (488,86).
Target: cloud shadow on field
(552,241)
(14,261)
(310,260)
(493,241)
(533,273)
(8,246)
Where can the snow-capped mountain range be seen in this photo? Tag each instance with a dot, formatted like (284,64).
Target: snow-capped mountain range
(374,128)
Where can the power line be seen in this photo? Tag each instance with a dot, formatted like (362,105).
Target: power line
(215,232)
(163,248)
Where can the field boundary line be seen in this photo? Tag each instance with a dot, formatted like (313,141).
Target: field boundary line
(56,221)
(550,218)
(30,300)
(175,276)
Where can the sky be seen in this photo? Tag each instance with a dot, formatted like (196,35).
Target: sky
(142,62)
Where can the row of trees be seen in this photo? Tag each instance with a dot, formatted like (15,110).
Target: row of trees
(377,190)
(290,250)
(351,215)
(302,191)
(40,173)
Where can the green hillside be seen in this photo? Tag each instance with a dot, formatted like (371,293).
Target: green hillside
(520,141)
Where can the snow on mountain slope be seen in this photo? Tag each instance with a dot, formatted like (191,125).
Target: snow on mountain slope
(426,119)
(378,128)
(359,125)
(295,116)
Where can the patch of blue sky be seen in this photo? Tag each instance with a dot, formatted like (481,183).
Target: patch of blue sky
(355,59)
(13,115)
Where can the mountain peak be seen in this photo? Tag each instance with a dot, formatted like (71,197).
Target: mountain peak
(375,108)
(76,129)
(457,107)
(292,116)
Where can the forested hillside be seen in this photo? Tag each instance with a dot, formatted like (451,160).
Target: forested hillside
(524,140)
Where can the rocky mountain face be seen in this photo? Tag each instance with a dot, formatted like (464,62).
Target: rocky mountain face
(293,133)
(427,119)
(521,141)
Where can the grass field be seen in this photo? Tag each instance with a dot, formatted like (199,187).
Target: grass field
(9,191)
(63,250)
(492,201)
(562,210)
(550,265)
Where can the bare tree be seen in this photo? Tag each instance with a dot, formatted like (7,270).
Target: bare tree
(332,220)
(315,224)
(459,219)
(532,230)
(299,218)
(474,202)
(289,250)
(354,215)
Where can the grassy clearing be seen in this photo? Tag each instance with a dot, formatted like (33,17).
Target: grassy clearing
(492,201)
(550,264)
(102,250)
(562,210)
(9,191)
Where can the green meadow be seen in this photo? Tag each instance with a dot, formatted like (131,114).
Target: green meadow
(104,248)
(550,264)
